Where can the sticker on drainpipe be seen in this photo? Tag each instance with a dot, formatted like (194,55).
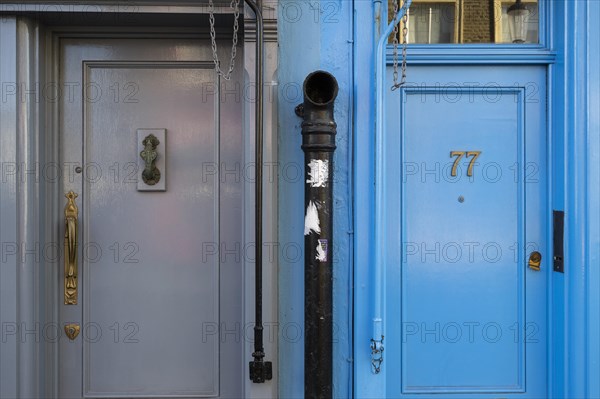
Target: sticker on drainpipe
(322,250)
(311,220)
(319,173)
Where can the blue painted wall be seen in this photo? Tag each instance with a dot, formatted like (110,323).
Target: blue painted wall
(593,178)
(314,35)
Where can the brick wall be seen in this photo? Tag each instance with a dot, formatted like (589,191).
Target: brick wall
(478,21)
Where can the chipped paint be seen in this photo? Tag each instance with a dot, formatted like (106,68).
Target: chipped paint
(319,173)
(311,220)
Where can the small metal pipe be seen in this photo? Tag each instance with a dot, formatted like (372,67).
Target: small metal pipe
(260,371)
(380,237)
(318,143)
(377,14)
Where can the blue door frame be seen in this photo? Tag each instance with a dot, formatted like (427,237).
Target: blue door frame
(570,49)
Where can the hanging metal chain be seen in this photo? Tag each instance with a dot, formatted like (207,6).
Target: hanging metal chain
(396,85)
(395,43)
(236,16)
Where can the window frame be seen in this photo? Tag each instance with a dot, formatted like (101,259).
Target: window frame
(485,53)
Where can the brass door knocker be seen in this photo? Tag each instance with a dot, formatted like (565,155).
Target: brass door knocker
(151,174)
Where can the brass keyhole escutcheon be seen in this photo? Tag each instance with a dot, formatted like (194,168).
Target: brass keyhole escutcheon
(535,261)
(72,330)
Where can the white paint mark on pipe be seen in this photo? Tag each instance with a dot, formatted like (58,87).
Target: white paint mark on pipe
(321,256)
(311,220)
(319,173)
(322,250)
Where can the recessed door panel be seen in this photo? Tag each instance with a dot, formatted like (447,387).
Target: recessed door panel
(153,291)
(454,234)
(466,314)
(152,284)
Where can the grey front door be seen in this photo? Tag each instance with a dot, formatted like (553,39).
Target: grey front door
(158,302)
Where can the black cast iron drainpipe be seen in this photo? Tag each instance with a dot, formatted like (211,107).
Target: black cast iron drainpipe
(260,371)
(318,143)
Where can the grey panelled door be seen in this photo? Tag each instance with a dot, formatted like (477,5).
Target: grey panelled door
(152,291)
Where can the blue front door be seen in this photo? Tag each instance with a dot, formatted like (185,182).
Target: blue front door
(466,210)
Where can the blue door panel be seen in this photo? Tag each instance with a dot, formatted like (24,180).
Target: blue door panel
(465,315)
(458,271)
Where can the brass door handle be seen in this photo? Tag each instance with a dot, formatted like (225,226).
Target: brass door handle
(535,261)
(70,255)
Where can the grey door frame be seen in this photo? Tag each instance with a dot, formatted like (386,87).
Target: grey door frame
(29,362)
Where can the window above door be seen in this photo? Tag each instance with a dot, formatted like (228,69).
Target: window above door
(468,22)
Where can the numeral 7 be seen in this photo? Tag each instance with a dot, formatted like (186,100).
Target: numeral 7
(459,155)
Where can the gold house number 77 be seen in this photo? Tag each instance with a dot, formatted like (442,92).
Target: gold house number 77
(459,155)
